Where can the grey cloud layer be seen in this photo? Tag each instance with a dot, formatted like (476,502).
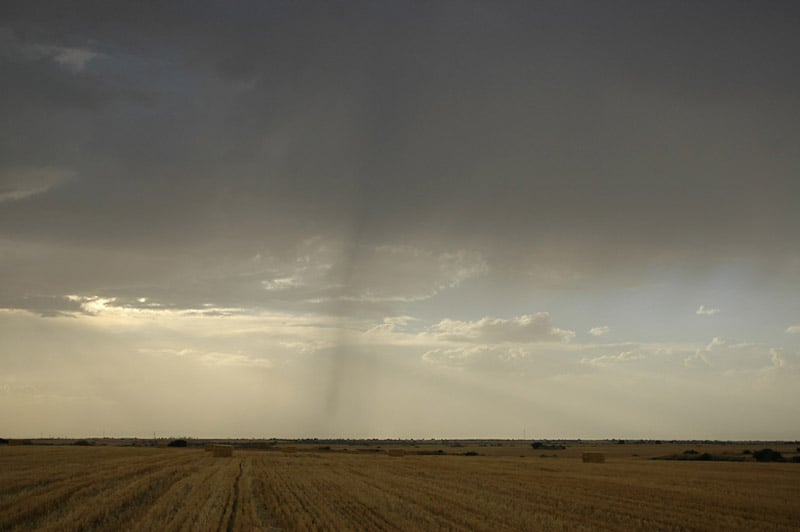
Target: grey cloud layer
(551,136)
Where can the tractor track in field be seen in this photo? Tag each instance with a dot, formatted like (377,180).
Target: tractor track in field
(235,505)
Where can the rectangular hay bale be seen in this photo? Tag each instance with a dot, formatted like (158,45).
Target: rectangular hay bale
(223,451)
(595,458)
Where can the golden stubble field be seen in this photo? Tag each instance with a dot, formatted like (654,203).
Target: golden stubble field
(507,488)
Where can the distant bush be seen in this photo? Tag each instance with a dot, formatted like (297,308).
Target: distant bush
(471,453)
(694,456)
(796,459)
(3,441)
(548,446)
(83,443)
(690,451)
(768,455)
(177,443)
(747,451)
(428,453)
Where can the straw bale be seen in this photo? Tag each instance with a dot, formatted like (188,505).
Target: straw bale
(596,458)
(223,451)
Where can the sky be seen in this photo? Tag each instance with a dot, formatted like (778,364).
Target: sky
(443,219)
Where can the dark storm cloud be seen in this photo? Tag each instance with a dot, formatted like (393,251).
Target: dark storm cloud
(200,135)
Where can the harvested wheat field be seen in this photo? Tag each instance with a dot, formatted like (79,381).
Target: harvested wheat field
(114,488)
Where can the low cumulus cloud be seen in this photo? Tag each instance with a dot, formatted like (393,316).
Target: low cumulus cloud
(71,57)
(405,273)
(20,183)
(703,311)
(392,324)
(607,360)
(212,358)
(477,357)
(329,269)
(527,328)
(599,330)
(322,275)
(727,356)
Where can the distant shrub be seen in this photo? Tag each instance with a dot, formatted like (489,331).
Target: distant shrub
(428,453)
(177,443)
(548,446)
(768,455)
(471,453)
(690,451)
(83,443)
(747,451)
(3,441)
(694,456)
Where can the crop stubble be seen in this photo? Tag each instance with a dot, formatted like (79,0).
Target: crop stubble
(68,488)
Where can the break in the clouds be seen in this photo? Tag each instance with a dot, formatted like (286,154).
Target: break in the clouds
(300,205)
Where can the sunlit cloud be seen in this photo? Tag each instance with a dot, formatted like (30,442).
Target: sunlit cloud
(521,329)
(477,356)
(211,358)
(599,331)
(794,329)
(392,324)
(20,183)
(703,311)
(75,58)
(605,360)
(281,283)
